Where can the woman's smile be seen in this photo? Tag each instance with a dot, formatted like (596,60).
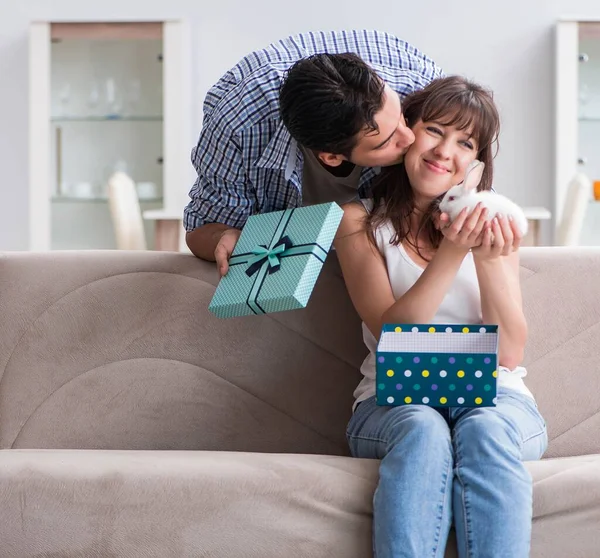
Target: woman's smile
(435,167)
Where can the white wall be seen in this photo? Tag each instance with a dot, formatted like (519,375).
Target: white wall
(506,45)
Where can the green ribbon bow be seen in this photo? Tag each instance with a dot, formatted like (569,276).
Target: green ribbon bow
(270,256)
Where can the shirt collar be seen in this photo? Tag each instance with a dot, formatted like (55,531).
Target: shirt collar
(279,150)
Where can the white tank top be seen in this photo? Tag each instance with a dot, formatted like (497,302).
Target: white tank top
(461,305)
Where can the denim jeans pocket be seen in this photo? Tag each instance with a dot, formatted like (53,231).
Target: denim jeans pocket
(532,426)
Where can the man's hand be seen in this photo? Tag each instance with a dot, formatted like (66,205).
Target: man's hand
(224,249)
(213,242)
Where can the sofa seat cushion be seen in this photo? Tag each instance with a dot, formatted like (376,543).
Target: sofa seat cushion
(240,505)
(181,504)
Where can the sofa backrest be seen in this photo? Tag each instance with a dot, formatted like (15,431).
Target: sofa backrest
(561,297)
(117,350)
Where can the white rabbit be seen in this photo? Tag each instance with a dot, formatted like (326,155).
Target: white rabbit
(466,195)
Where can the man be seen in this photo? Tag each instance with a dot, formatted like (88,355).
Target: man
(309,119)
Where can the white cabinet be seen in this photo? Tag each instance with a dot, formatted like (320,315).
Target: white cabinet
(105,96)
(578,117)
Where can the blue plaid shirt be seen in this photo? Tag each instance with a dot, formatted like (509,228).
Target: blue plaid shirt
(246,160)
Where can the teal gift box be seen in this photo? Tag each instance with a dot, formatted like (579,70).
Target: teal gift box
(277,261)
(440,365)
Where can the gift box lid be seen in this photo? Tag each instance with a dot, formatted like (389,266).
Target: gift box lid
(277,260)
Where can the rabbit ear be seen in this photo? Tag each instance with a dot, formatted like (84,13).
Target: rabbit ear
(473,175)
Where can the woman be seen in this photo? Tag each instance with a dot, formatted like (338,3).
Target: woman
(404,264)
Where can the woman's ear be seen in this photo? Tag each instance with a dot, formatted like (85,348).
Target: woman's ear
(473,175)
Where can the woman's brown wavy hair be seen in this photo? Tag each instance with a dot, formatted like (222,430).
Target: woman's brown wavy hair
(450,101)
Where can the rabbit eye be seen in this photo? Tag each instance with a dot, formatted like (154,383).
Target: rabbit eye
(451,198)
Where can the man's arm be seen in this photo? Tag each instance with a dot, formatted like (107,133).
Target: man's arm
(221,198)
(203,241)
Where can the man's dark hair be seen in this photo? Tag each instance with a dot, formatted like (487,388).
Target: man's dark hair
(327,99)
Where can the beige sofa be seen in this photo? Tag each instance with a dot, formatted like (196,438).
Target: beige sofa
(134,423)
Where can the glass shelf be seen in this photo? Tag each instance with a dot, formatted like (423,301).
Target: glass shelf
(59,119)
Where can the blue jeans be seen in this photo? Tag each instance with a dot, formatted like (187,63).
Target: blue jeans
(451,466)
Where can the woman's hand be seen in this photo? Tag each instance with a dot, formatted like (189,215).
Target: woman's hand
(466,231)
(501,237)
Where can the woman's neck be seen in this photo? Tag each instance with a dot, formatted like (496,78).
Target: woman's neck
(421,204)
(415,219)
(417,236)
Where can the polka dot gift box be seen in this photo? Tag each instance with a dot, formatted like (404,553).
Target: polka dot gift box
(276,261)
(440,365)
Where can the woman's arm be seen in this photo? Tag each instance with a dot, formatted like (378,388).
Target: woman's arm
(501,301)
(368,283)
